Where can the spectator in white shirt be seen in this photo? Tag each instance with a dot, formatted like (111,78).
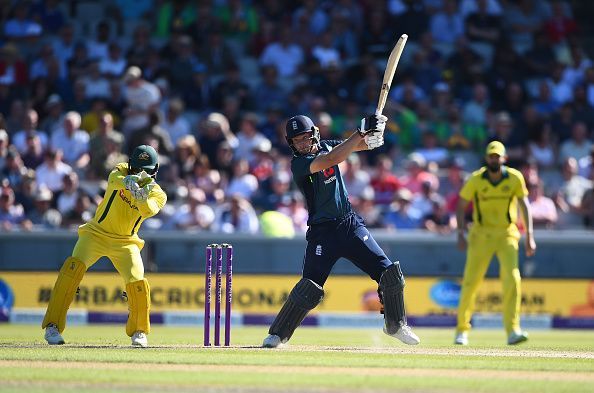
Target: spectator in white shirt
(325,53)
(95,84)
(447,26)
(19,26)
(236,216)
(52,171)
(242,183)
(174,123)
(19,140)
(284,54)
(98,48)
(142,98)
(72,141)
(195,214)
(544,211)
(248,138)
(114,64)
(578,146)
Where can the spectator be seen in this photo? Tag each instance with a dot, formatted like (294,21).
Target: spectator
(50,14)
(439,221)
(152,130)
(64,47)
(544,212)
(54,108)
(294,207)
(3,148)
(81,213)
(569,195)
(559,25)
(542,149)
(114,64)
(96,85)
(30,120)
(286,56)
(324,52)
(11,214)
(368,209)
(401,214)
(13,70)
(98,48)
(33,156)
(430,149)
(174,123)
(72,141)
(232,85)
(101,137)
(587,208)
(216,131)
(26,191)
(242,183)
(236,216)
(249,137)
(522,21)
(269,92)
(314,14)
(423,201)
(450,187)
(481,25)
(272,198)
(586,165)
(417,174)
(78,65)
(13,169)
(194,214)
(384,182)
(50,173)
(475,110)
(66,198)
(447,26)
(19,26)
(186,153)
(355,178)
(207,179)
(44,216)
(578,146)
(142,98)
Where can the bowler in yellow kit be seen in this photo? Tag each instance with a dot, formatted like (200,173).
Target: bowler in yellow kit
(496,191)
(131,197)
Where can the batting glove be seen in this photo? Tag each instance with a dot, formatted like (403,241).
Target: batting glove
(372,124)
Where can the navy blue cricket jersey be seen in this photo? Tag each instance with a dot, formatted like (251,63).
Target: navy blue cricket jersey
(324,191)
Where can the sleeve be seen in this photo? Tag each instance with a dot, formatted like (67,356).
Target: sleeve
(154,203)
(116,179)
(468,190)
(333,142)
(521,190)
(300,166)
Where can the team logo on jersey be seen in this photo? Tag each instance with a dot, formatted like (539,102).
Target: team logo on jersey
(328,172)
(144,156)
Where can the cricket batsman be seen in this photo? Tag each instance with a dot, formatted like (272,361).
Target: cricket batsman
(335,230)
(131,197)
(496,191)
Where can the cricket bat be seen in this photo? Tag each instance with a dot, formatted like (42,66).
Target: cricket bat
(389,73)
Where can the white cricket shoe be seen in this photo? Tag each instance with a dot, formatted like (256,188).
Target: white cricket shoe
(139,339)
(517,338)
(405,334)
(461,338)
(272,341)
(52,335)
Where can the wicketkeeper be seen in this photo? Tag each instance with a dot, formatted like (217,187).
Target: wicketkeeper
(131,197)
(335,230)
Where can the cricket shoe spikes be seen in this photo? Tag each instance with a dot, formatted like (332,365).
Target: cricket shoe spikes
(405,334)
(517,338)
(272,341)
(139,339)
(52,335)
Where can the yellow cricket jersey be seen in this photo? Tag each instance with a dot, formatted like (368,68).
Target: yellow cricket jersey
(119,215)
(495,205)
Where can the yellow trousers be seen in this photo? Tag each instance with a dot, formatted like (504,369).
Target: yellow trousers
(481,247)
(123,253)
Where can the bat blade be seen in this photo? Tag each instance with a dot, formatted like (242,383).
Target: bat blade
(389,72)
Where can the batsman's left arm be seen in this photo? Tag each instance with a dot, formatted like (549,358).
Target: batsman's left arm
(527,218)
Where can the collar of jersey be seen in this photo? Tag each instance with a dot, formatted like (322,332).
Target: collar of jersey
(504,175)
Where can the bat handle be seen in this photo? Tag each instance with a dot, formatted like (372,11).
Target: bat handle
(378,112)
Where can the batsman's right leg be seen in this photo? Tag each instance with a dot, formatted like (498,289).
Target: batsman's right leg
(69,278)
(304,297)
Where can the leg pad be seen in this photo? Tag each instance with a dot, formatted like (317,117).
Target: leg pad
(139,305)
(391,289)
(304,297)
(70,276)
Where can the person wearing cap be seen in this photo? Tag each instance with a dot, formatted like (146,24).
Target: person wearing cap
(335,230)
(132,196)
(496,191)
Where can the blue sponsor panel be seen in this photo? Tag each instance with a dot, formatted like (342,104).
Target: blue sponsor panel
(446,293)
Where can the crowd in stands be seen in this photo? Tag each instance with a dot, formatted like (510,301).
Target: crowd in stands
(210,84)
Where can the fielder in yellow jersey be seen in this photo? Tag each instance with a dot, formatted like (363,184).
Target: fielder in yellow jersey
(131,197)
(496,191)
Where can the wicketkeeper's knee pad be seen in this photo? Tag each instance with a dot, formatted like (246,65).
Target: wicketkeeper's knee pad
(392,295)
(139,306)
(304,297)
(70,276)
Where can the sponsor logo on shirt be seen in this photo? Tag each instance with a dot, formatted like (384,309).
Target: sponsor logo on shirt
(329,174)
(127,201)
(319,250)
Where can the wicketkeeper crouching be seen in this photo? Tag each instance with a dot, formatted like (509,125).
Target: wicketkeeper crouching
(131,197)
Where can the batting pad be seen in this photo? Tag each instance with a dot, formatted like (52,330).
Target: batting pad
(139,305)
(304,297)
(70,275)
(392,288)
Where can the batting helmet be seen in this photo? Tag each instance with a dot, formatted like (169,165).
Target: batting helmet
(298,125)
(144,158)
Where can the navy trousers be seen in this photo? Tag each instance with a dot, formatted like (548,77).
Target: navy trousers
(347,238)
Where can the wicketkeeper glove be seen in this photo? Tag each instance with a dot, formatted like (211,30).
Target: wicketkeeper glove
(142,193)
(131,182)
(372,129)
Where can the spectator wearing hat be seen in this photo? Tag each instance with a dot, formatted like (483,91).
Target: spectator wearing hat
(142,98)
(401,215)
(72,141)
(53,169)
(44,216)
(30,121)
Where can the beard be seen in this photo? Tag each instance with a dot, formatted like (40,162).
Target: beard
(494,167)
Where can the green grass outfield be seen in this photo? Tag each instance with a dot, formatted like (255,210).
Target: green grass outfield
(98,358)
